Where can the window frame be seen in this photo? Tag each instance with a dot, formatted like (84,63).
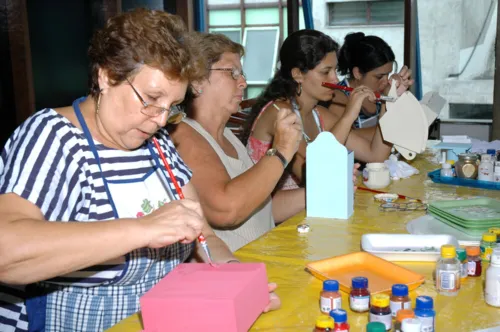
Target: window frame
(368,21)
(275,50)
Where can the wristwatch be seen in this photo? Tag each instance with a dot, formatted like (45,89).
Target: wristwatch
(275,152)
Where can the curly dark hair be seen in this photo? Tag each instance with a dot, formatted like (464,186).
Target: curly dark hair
(303,49)
(154,38)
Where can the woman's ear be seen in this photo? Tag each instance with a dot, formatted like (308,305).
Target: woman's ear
(103,80)
(197,88)
(357,73)
(297,75)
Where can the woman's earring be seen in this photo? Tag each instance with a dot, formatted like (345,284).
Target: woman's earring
(200,92)
(98,103)
(299,89)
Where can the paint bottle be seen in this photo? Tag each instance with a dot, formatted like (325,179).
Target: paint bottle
(485,171)
(340,320)
(399,298)
(425,312)
(380,310)
(402,314)
(330,297)
(462,257)
(448,271)
(492,280)
(474,267)
(495,230)
(411,325)
(359,298)
(488,242)
(375,327)
(323,324)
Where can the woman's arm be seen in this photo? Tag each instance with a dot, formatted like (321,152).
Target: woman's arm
(374,150)
(287,203)
(33,249)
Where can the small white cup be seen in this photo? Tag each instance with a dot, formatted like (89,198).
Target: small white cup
(376,175)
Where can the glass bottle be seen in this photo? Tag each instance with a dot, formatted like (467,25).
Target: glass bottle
(488,243)
(323,324)
(466,166)
(446,171)
(330,297)
(448,271)
(340,320)
(402,314)
(462,257)
(492,280)
(380,310)
(425,312)
(495,230)
(359,298)
(375,327)
(399,298)
(485,171)
(411,325)
(474,267)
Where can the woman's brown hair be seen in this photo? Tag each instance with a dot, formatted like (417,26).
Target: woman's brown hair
(154,38)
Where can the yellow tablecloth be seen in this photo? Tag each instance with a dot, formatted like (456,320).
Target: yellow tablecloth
(286,253)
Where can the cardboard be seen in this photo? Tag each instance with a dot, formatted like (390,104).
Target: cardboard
(329,188)
(199,297)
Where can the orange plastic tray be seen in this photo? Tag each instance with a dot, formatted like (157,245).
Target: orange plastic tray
(381,274)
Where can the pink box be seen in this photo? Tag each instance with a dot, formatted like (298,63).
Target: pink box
(199,297)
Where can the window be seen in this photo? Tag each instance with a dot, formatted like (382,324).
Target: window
(232,33)
(375,12)
(261,47)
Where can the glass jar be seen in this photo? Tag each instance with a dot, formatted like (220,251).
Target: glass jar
(466,166)
(474,267)
(488,243)
(359,298)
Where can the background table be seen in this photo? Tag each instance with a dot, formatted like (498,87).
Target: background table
(286,253)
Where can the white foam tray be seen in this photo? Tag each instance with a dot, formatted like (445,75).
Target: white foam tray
(406,247)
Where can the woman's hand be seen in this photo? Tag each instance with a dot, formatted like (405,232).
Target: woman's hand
(356,98)
(287,133)
(355,172)
(403,80)
(177,221)
(274,300)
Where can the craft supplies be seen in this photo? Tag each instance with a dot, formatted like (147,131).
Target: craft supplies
(411,325)
(462,257)
(485,170)
(386,198)
(401,315)
(474,267)
(340,320)
(375,327)
(380,310)
(376,175)
(399,298)
(359,298)
(488,243)
(446,171)
(466,166)
(492,282)
(330,298)
(496,231)
(323,323)
(424,311)
(448,272)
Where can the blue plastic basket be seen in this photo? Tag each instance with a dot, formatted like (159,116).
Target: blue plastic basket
(454,181)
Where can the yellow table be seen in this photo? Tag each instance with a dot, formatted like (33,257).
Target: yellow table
(286,253)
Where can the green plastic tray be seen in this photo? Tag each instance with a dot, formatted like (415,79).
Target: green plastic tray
(478,210)
(464,223)
(468,231)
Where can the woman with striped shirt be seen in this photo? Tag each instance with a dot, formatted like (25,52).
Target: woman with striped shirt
(90,220)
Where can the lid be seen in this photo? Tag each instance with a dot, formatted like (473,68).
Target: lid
(399,290)
(375,327)
(424,302)
(491,152)
(324,322)
(489,237)
(446,166)
(461,254)
(467,156)
(494,230)
(495,257)
(411,325)
(359,282)
(404,313)
(472,251)
(331,285)
(339,315)
(380,300)
(451,162)
(486,157)
(448,251)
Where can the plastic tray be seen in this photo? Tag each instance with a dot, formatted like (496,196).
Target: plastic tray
(381,274)
(406,247)
(436,177)
(458,209)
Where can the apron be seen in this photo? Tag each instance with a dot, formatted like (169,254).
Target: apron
(54,307)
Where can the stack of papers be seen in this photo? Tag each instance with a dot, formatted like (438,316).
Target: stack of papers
(455,139)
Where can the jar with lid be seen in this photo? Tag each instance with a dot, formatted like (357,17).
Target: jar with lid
(462,257)
(412,325)
(448,271)
(375,327)
(402,314)
(340,320)
(380,310)
(474,267)
(330,297)
(496,231)
(359,298)
(488,243)
(424,310)
(323,324)
(399,298)
(466,166)
(492,286)
(446,171)
(485,171)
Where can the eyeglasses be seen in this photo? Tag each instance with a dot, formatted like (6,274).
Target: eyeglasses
(175,113)
(235,72)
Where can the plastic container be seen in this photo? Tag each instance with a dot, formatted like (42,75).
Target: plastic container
(424,311)
(446,171)
(330,297)
(448,272)
(492,280)
(466,166)
(402,314)
(462,257)
(474,267)
(399,299)
(380,310)
(323,323)
(488,243)
(359,298)
(375,327)
(485,170)
(496,231)
(412,325)
(340,320)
